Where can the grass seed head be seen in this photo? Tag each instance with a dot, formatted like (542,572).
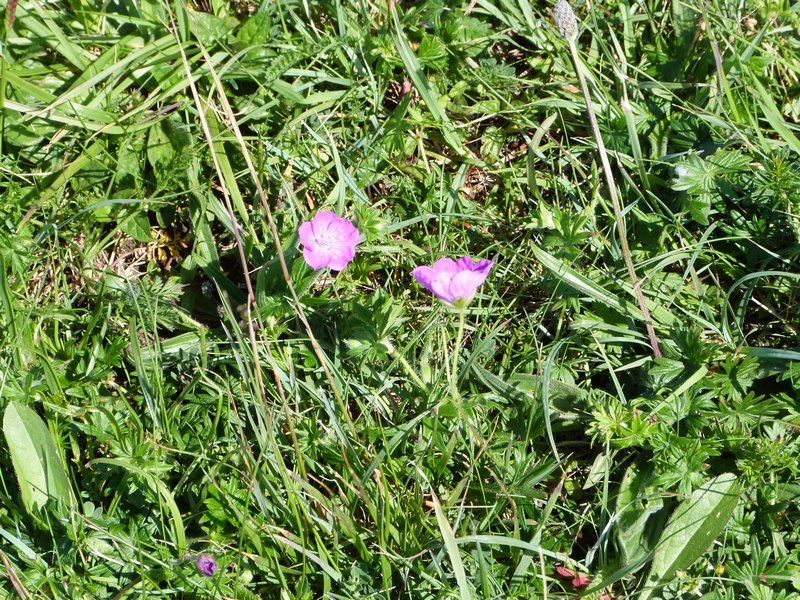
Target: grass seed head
(565,20)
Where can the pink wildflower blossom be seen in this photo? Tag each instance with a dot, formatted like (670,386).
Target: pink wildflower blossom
(329,241)
(454,282)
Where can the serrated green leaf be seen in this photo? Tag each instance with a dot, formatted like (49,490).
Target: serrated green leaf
(694,525)
(36,461)
(699,208)
(666,368)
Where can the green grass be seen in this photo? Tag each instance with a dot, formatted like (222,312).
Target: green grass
(156,161)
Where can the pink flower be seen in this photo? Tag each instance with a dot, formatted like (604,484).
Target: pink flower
(206,565)
(329,241)
(454,282)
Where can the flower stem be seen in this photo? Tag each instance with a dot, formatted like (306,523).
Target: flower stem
(456,352)
(409,369)
(612,190)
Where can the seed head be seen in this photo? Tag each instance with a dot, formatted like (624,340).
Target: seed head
(565,20)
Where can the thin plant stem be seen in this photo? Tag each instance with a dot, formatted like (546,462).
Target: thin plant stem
(2,98)
(567,24)
(273,229)
(456,352)
(406,365)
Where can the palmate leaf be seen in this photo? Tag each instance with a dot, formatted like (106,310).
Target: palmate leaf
(36,461)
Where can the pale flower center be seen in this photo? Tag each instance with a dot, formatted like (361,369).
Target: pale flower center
(326,241)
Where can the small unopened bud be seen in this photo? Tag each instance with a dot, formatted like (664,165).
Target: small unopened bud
(565,20)
(206,565)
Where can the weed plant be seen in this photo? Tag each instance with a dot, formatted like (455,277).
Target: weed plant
(191,411)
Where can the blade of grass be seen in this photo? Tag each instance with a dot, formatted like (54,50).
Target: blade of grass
(773,115)
(583,284)
(453,552)
(234,127)
(43,26)
(426,92)
(568,26)
(9,306)
(66,174)
(176,520)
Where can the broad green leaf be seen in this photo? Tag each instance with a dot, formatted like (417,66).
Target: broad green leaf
(137,225)
(168,150)
(36,461)
(128,174)
(153,11)
(640,514)
(24,132)
(255,30)
(599,471)
(694,525)
(211,29)
(492,142)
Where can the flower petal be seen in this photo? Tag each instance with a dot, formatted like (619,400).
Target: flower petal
(206,565)
(323,221)
(465,263)
(442,287)
(317,258)
(454,282)
(340,256)
(483,266)
(328,241)
(424,275)
(464,284)
(307,237)
(445,265)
